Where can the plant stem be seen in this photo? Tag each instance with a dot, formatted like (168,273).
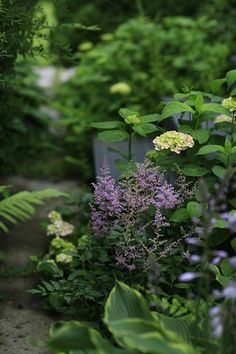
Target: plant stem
(130,147)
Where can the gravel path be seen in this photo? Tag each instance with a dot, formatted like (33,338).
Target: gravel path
(21,315)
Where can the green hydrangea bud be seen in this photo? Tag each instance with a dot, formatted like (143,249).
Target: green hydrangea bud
(120,88)
(85,46)
(132,119)
(229,103)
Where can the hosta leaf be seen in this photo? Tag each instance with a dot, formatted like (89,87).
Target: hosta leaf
(112,135)
(125,302)
(178,326)
(153,343)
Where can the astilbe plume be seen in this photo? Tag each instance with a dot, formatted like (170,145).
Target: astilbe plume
(106,207)
(126,204)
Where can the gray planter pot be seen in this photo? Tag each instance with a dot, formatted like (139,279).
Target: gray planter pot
(105,151)
(102,152)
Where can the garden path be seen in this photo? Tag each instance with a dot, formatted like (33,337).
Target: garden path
(21,315)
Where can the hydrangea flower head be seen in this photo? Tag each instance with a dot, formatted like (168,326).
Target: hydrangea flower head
(64,258)
(229,103)
(54,216)
(223,118)
(174,141)
(58,227)
(121,88)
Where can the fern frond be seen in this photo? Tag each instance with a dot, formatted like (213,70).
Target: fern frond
(19,207)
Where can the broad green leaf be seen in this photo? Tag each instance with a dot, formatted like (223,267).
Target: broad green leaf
(167,330)
(226,267)
(173,108)
(74,337)
(144,129)
(220,224)
(219,277)
(233,91)
(231,77)
(180,215)
(149,118)
(194,209)
(112,135)
(201,135)
(233,244)
(107,125)
(214,107)
(219,171)
(154,343)
(199,102)
(208,149)
(125,302)
(178,326)
(194,171)
(215,85)
(228,146)
(186,129)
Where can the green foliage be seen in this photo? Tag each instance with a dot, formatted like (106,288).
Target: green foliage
(23,127)
(140,64)
(109,15)
(134,327)
(19,207)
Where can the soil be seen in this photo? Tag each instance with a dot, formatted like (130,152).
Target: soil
(21,315)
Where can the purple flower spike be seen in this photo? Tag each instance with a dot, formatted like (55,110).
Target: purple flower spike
(230,291)
(188,276)
(221,254)
(195,258)
(216,260)
(232,261)
(193,241)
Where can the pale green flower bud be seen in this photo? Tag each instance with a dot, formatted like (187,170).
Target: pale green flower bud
(132,119)
(229,103)
(223,118)
(85,46)
(121,88)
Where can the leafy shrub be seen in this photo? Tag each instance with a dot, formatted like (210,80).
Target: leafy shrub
(23,127)
(139,64)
